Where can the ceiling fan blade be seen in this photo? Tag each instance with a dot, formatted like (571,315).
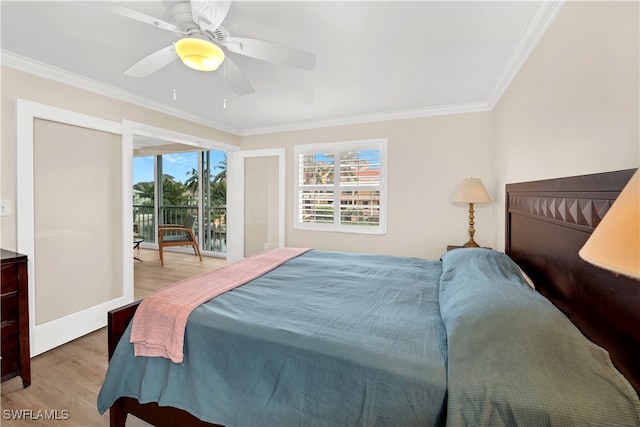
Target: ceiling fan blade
(236,79)
(139,16)
(209,14)
(271,52)
(152,63)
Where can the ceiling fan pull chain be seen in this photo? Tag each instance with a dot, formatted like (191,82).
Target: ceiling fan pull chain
(224,90)
(173,64)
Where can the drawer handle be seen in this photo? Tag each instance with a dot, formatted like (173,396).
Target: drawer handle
(9,294)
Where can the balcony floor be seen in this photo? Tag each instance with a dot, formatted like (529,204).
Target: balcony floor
(149,276)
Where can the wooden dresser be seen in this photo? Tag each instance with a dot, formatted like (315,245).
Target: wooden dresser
(14,317)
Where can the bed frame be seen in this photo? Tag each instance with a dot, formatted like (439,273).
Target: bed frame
(547,222)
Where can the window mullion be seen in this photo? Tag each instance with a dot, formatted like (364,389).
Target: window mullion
(336,188)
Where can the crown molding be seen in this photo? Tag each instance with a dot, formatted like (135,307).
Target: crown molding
(370,118)
(542,16)
(30,66)
(27,65)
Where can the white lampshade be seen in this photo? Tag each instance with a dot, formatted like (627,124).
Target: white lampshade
(471,190)
(615,243)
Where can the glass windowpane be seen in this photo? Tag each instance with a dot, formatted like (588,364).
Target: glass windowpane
(360,208)
(316,207)
(360,167)
(316,169)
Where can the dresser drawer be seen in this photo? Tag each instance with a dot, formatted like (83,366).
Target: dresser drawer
(10,335)
(10,352)
(9,309)
(14,315)
(9,279)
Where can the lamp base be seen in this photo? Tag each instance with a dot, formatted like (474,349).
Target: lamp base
(471,244)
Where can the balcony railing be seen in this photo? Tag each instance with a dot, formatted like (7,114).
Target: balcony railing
(215,226)
(215,229)
(143,216)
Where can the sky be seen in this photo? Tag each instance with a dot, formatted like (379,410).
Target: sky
(178,165)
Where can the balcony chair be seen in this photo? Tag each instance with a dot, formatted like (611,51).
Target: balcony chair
(178,235)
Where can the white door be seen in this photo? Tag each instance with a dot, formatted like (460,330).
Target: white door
(255,201)
(74,221)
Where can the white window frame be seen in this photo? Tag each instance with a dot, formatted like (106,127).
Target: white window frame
(337,147)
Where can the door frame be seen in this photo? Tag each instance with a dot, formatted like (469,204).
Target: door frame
(53,333)
(235,198)
(133,129)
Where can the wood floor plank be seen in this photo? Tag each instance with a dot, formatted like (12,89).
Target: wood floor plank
(68,378)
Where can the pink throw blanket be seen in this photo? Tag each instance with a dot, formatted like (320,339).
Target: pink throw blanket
(160,320)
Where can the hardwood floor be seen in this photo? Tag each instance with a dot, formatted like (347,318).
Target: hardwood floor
(65,381)
(149,276)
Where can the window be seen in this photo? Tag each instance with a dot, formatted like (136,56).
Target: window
(341,186)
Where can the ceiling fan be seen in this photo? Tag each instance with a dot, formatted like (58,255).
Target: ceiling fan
(202,40)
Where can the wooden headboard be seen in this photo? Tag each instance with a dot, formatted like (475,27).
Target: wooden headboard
(547,222)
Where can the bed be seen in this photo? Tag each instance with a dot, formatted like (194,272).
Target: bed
(464,340)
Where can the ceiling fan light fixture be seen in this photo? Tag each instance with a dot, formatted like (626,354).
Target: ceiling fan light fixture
(201,55)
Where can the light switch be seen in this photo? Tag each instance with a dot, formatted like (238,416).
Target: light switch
(5,208)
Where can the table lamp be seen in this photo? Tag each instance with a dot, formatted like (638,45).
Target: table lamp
(471,191)
(615,243)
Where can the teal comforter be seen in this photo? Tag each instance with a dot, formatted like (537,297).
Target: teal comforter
(515,360)
(354,340)
(371,340)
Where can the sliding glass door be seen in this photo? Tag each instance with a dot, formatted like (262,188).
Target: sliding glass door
(177,175)
(144,193)
(214,201)
(169,187)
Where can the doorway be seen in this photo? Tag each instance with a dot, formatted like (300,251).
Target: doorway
(167,188)
(256,201)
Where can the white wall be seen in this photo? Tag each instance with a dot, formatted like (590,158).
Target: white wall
(573,108)
(428,157)
(16,84)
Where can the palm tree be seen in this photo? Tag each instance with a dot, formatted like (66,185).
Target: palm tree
(192,182)
(222,175)
(147,192)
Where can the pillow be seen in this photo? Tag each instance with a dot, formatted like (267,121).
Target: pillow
(514,359)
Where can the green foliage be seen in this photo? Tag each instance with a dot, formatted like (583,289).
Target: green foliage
(218,193)
(173,193)
(218,184)
(191,184)
(147,195)
(323,214)
(222,175)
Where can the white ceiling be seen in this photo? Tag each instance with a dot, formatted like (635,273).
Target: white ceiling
(374,60)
